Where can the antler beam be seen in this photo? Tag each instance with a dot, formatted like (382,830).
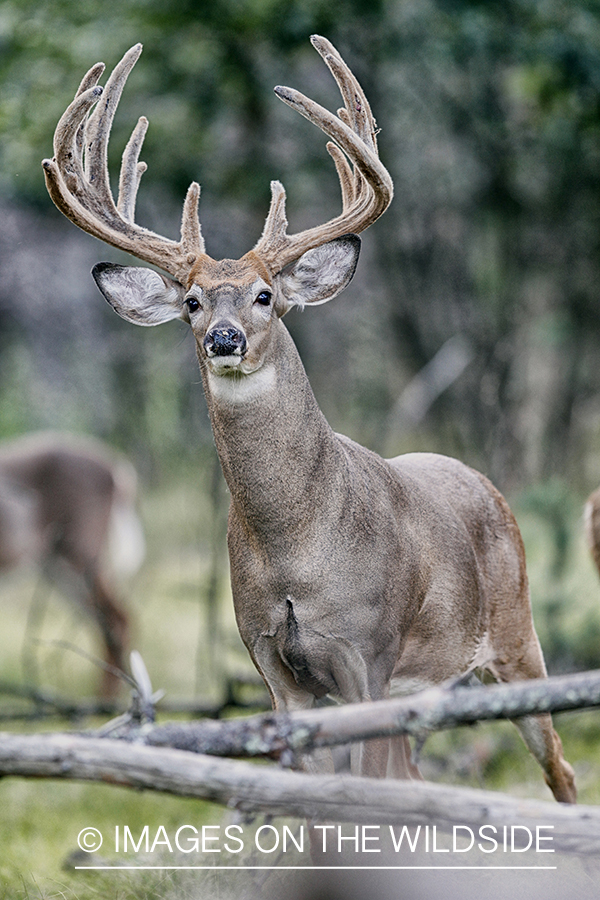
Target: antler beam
(78,182)
(367,190)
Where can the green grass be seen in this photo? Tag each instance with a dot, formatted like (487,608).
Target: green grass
(40,820)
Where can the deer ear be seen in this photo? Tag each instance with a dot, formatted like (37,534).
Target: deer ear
(140,295)
(320,274)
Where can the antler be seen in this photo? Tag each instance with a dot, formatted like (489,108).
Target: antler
(367,190)
(78,182)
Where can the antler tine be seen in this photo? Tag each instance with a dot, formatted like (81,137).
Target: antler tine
(192,241)
(366,192)
(67,143)
(356,113)
(132,171)
(78,182)
(348,180)
(357,110)
(88,81)
(99,124)
(91,78)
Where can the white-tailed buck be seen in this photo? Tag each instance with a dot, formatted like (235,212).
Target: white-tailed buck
(348,571)
(67,506)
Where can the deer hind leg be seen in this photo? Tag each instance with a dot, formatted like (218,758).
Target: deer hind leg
(92,594)
(114,626)
(545,745)
(81,583)
(537,731)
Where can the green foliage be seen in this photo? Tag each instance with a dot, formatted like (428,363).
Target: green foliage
(40,824)
(206,67)
(563,580)
(490,117)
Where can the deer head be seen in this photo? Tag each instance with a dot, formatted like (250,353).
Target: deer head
(231,305)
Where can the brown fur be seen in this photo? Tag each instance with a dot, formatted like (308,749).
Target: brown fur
(57,497)
(349,573)
(239,272)
(392,570)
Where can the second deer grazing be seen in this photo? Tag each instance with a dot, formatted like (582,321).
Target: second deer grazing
(349,572)
(67,506)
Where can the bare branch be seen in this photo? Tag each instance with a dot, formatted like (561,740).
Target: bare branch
(33,704)
(435,709)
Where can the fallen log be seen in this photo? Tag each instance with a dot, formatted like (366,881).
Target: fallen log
(260,789)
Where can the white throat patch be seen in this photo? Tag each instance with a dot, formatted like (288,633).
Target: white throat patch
(238,389)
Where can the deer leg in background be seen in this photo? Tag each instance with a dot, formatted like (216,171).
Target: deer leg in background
(33,627)
(84,586)
(114,625)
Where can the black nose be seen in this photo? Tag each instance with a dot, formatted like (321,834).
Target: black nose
(225,342)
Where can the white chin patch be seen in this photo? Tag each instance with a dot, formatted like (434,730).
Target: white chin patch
(236,387)
(222,365)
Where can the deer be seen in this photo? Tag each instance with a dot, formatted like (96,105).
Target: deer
(67,507)
(591,520)
(350,574)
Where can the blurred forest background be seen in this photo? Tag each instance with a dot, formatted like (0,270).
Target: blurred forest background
(473,325)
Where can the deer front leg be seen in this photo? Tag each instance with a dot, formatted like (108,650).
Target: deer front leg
(400,761)
(341,664)
(288,696)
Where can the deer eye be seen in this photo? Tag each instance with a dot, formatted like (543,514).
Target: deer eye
(264,298)
(192,304)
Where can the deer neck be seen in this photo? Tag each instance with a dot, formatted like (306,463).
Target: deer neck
(273,441)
